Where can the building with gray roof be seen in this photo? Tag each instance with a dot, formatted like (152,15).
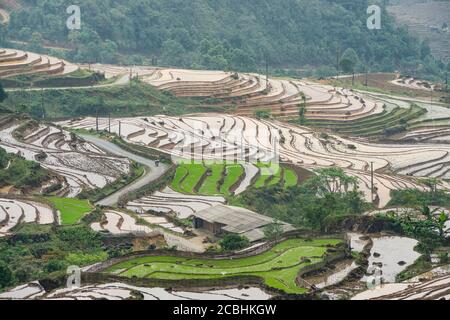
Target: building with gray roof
(222,219)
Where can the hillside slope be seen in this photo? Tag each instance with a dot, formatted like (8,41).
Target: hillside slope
(219,34)
(427,19)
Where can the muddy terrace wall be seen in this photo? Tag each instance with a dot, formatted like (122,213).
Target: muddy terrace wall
(329,259)
(362,224)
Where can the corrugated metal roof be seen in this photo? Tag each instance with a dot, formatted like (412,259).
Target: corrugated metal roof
(238,220)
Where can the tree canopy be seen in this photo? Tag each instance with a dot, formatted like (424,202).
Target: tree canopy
(226,34)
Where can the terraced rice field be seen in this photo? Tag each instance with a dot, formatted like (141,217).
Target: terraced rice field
(114,71)
(119,223)
(277,267)
(373,125)
(123,291)
(80,165)
(251,92)
(70,210)
(16,212)
(436,288)
(169,201)
(412,83)
(432,127)
(247,140)
(393,255)
(224,179)
(15,63)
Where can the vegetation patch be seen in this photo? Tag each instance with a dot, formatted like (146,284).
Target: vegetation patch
(139,99)
(20,173)
(38,251)
(312,204)
(375,125)
(79,78)
(72,210)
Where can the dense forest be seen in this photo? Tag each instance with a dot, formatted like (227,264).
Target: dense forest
(223,34)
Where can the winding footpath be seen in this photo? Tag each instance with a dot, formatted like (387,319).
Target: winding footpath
(122,80)
(152,171)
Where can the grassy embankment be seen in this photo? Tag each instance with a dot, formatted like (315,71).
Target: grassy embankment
(72,210)
(137,99)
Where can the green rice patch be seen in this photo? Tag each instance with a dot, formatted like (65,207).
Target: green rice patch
(71,210)
(277,267)
(290,178)
(211,184)
(233,174)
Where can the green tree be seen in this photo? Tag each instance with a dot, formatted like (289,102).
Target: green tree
(210,33)
(273,231)
(231,242)
(431,231)
(302,110)
(431,183)
(262,114)
(6,275)
(3,94)
(36,41)
(348,62)
(173,53)
(334,180)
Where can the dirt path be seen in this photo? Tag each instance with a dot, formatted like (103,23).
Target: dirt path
(152,171)
(121,81)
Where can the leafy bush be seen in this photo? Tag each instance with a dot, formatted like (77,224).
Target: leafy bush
(82,259)
(414,197)
(20,173)
(232,242)
(6,275)
(309,204)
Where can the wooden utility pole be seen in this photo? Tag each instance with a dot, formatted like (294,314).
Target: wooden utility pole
(42,103)
(131,75)
(120,129)
(367,77)
(109,121)
(372,188)
(96,119)
(446,80)
(30,95)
